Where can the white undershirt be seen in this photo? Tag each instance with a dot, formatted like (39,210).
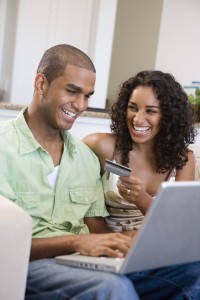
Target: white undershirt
(52,177)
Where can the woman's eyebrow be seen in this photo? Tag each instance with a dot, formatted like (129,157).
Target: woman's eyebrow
(153,106)
(148,106)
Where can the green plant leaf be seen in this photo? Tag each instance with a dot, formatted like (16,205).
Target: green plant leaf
(191,98)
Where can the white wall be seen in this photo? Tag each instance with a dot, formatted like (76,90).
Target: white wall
(87,24)
(85,125)
(82,127)
(40,25)
(2,27)
(179,43)
(8,19)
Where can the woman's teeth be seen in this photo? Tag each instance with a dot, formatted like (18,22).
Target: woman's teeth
(142,129)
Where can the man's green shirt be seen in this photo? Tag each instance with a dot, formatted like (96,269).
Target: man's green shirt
(24,167)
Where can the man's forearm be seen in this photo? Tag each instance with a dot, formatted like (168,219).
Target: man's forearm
(50,247)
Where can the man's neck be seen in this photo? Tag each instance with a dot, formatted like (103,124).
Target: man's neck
(50,139)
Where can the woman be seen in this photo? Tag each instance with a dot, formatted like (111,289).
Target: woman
(152,126)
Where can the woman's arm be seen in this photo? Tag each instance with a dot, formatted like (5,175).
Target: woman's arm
(187,173)
(132,189)
(102,144)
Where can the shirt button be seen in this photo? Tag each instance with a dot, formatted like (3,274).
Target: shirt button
(86,199)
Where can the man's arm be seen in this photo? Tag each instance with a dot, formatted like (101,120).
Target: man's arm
(95,244)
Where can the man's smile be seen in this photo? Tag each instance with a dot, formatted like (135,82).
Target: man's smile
(69,113)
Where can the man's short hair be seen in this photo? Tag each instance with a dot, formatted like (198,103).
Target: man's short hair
(56,58)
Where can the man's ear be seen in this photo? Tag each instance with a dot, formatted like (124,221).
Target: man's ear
(41,84)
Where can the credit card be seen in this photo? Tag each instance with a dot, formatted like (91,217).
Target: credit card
(117,169)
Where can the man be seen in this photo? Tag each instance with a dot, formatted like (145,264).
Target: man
(55,178)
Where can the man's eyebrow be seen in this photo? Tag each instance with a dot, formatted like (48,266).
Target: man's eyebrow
(74,87)
(78,88)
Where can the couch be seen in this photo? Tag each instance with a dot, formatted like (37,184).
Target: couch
(15,242)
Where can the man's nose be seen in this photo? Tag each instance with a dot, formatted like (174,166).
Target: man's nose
(80,104)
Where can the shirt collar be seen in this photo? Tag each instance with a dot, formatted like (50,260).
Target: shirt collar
(27,142)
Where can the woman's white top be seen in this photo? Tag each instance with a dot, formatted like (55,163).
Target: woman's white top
(123,215)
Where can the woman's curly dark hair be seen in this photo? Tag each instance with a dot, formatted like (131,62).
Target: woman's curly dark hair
(176,125)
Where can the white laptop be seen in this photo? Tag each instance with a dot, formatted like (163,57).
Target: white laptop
(170,234)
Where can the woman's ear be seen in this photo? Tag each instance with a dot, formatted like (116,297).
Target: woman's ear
(41,84)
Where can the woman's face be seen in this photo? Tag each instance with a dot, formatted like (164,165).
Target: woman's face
(143,115)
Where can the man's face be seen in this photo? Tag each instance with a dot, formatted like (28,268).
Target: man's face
(67,97)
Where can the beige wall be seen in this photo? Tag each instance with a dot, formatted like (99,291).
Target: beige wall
(135,40)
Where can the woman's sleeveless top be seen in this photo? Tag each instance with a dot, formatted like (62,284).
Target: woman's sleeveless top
(123,215)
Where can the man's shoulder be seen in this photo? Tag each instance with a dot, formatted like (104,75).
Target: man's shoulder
(79,144)
(7,135)
(81,148)
(85,158)
(5,126)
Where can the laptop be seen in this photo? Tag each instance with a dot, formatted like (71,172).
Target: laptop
(169,234)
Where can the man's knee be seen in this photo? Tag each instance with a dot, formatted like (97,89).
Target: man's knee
(119,286)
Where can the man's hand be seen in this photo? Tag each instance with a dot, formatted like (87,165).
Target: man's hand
(101,241)
(108,244)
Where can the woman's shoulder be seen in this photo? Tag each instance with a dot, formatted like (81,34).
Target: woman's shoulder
(188,170)
(103,144)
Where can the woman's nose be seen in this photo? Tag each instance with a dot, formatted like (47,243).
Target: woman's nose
(139,116)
